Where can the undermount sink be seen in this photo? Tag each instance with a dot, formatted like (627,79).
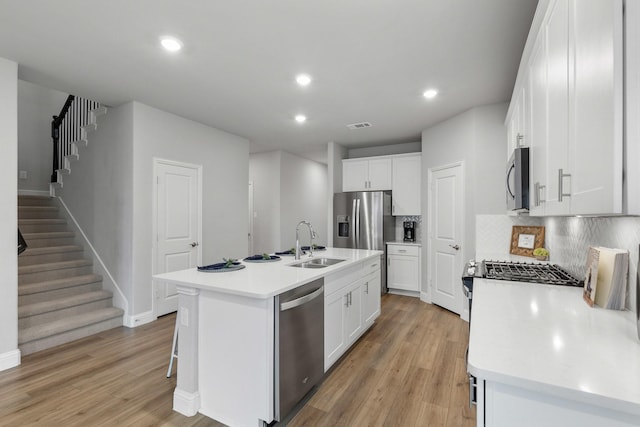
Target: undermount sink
(317,263)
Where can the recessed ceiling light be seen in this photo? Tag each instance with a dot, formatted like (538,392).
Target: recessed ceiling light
(303,79)
(171,44)
(430,93)
(300,118)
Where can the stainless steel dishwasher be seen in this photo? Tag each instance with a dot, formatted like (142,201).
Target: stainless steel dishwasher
(299,344)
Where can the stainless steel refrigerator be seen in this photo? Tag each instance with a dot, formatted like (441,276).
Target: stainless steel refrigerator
(362,220)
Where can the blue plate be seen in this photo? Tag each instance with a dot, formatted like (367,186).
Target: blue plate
(260,258)
(220,267)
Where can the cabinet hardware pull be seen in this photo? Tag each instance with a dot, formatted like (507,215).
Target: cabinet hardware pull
(536,194)
(374,265)
(402,250)
(346,303)
(561,176)
(193,244)
(366,289)
(456,247)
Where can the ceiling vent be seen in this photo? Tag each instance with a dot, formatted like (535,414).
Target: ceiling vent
(362,125)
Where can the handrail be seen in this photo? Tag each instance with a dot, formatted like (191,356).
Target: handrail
(66,128)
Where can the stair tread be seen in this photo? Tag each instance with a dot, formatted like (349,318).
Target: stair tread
(32,288)
(37,208)
(41,221)
(51,250)
(48,235)
(59,265)
(62,302)
(68,324)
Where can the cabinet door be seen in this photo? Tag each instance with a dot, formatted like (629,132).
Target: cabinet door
(403,272)
(380,174)
(371,298)
(335,306)
(596,104)
(406,185)
(556,33)
(537,74)
(353,319)
(355,175)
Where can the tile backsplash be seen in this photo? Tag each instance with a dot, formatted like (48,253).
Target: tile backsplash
(567,239)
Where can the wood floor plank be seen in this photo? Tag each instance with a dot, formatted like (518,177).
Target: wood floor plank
(408,370)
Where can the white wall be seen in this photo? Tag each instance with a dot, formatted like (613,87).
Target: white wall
(303,196)
(9,353)
(99,195)
(335,154)
(478,138)
(385,150)
(264,172)
(225,161)
(287,189)
(36,107)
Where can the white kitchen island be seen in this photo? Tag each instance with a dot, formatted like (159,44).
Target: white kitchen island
(543,357)
(226,329)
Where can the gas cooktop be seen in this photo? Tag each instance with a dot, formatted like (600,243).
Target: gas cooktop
(550,274)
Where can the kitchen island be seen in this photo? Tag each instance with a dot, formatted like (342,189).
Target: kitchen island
(542,356)
(227,329)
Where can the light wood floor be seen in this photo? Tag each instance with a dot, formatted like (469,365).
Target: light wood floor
(408,370)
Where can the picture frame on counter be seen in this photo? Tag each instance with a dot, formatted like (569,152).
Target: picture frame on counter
(524,239)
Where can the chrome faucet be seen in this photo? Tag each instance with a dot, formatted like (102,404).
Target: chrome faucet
(312,235)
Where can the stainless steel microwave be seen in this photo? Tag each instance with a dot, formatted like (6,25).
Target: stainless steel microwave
(518,180)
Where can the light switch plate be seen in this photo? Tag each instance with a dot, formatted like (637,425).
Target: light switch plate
(22,175)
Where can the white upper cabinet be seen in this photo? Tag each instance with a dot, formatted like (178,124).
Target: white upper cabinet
(372,174)
(573,114)
(406,185)
(596,104)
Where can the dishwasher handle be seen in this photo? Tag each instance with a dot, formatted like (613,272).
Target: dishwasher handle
(302,300)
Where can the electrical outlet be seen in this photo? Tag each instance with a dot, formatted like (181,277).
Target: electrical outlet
(23,175)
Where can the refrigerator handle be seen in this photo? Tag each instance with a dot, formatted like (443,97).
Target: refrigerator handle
(354,223)
(358,223)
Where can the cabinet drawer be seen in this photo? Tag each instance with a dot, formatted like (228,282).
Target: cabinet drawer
(403,250)
(371,266)
(342,278)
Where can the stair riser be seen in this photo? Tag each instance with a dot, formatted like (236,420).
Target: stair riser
(47,258)
(26,213)
(63,313)
(44,343)
(42,228)
(53,274)
(35,201)
(55,241)
(58,293)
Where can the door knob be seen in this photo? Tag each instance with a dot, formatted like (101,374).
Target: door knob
(194,244)
(456,247)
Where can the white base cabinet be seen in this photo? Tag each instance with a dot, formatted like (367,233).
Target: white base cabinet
(403,267)
(501,405)
(351,304)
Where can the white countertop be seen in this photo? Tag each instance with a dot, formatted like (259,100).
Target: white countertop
(547,339)
(402,242)
(265,280)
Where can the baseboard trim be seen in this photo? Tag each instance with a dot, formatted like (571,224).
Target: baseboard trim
(414,294)
(424,297)
(44,193)
(138,319)
(186,403)
(10,359)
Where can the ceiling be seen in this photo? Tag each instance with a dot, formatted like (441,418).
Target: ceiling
(370,60)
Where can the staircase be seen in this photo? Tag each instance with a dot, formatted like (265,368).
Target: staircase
(59,297)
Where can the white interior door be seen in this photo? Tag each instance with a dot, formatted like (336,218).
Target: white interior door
(178,224)
(445,236)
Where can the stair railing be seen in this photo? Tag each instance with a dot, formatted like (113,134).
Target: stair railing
(66,128)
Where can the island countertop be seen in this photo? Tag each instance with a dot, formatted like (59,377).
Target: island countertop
(547,339)
(265,280)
